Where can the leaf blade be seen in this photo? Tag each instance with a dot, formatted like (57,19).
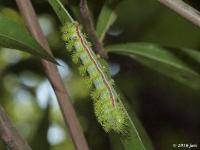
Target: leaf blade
(60,10)
(14,36)
(138,137)
(161,60)
(106,18)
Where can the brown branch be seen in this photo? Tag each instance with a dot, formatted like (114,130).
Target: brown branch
(66,106)
(10,135)
(184,10)
(89,26)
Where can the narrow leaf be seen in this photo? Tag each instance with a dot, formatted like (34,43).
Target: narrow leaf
(179,64)
(60,10)
(106,18)
(137,137)
(14,36)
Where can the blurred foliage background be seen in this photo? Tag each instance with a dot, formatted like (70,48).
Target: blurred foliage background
(169,111)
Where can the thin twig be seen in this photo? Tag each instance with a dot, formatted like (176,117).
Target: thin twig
(66,106)
(10,135)
(184,10)
(89,26)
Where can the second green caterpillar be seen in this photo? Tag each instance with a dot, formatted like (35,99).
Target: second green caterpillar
(108,109)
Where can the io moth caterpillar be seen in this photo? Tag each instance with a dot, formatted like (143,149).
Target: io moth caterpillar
(109,110)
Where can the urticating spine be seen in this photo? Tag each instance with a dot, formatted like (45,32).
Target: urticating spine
(108,109)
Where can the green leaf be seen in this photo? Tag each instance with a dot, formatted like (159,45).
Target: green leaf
(60,10)
(106,18)
(137,137)
(15,36)
(179,64)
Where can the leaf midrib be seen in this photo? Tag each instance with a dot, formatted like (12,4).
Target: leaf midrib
(153,58)
(23,44)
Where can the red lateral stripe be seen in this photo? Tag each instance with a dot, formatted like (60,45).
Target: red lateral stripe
(96,64)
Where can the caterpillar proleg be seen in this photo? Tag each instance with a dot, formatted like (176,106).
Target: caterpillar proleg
(108,109)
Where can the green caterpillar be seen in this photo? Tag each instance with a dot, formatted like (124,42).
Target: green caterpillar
(109,110)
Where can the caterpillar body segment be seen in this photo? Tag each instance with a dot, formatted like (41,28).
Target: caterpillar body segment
(108,109)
